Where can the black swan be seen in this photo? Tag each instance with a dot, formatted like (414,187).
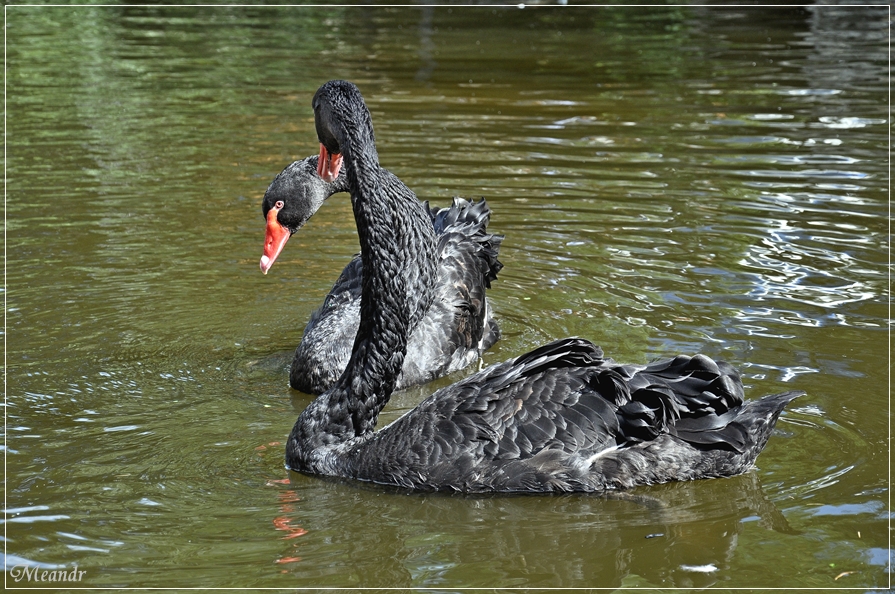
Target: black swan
(560,418)
(452,260)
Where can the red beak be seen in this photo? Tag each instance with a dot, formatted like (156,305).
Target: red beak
(274,239)
(328,165)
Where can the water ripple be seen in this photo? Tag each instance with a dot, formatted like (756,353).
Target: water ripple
(679,180)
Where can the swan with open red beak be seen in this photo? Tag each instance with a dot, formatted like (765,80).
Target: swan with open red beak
(328,165)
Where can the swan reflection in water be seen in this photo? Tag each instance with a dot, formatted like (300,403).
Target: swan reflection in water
(681,534)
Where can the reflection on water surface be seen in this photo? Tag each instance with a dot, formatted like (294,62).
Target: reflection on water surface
(671,179)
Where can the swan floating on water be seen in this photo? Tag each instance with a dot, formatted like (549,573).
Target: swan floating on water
(450,260)
(560,418)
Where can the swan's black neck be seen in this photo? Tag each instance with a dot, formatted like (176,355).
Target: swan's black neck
(381,342)
(351,407)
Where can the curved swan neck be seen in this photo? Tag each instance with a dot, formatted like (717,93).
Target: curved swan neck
(381,342)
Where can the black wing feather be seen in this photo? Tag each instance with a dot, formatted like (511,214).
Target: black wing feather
(539,422)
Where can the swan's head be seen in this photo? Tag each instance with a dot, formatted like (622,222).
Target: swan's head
(340,113)
(291,199)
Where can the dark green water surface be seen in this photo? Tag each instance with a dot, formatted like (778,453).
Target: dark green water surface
(668,179)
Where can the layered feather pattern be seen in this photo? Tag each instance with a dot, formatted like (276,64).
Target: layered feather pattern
(562,417)
(553,418)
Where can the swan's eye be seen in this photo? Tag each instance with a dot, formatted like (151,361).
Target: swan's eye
(279,205)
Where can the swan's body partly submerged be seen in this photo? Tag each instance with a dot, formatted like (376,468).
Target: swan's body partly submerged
(560,418)
(451,260)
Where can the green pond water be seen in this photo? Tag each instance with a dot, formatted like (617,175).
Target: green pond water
(669,180)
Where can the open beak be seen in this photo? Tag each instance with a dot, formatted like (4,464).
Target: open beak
(328,165)
(274,239)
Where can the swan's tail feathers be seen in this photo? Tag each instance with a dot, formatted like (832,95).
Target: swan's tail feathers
(760,416)
(461,213)
(744,429)
(469,220)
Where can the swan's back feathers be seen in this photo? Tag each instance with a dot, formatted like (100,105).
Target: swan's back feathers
(564,418)
(459,326)
(461,213)
(514,411)
(329,335)
(693,398)
(568,352)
